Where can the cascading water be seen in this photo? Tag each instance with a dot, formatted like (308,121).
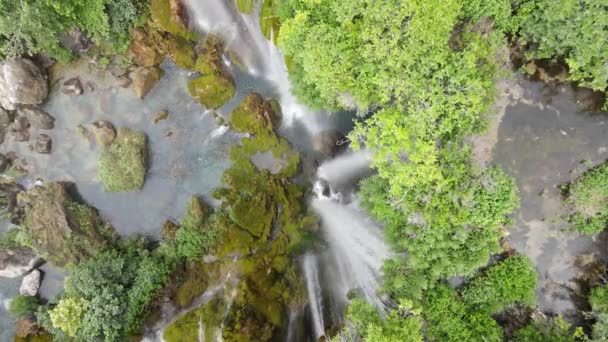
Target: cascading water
(315,298)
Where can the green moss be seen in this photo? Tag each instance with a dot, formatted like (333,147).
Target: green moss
(196,214)
(245,6)
(253,115)
(209,60)
(185,328)
(181,51)
(123,165)
(587,198)
(212,91)
(160,11)
(41,337)
(193,286)
(270,21)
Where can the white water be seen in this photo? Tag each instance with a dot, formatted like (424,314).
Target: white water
(315,298)
(345,168)
(242,35)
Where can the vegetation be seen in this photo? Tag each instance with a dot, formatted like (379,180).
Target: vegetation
(212,91)
(549,329)
(598,298)
(571,30)
(123,164)
(23,306)
(32,26)
(587,198)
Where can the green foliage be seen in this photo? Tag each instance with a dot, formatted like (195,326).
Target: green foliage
(554,330)
(123,165)
(587,197)
(511,281)
(23,306)
(269,20)
(365,323)
(575,30)
(598,298)
(245,6)
(32,26)
(198,232)
(106,296)
(449,319)
(10,238)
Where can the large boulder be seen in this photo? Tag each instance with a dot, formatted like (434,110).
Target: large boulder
(21,82)
(17,261)
(212,91)
(30,284)
(329,142)
(123,165)
(145,79)
(62,230)
(37,117)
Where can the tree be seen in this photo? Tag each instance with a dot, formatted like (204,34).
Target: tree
(67,315)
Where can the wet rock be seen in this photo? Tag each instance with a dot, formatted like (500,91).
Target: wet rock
(160,116)
(123,165)
(20,136)
(209,60)
(254,115)
(171,16)
(17,261)
(5,118)
(72,87)
(44,144)
(212,91)
(20,124)
(145,79)
(37,117)
(90,86)
(21,82)
(104,132)
(62,230)
(329,142)
(30,284)
(76,41)
(124,82)
(145,49)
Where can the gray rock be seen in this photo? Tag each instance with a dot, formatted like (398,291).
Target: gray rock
(37,117)
(90,86)
(21,82)
(124,81)
(17,261)
(20,124)
(20,136)
(44,144)
(76,40)
(30,284)
(104,132)
(5,118)
(72,87)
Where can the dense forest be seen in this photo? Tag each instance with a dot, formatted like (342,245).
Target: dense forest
(419,79)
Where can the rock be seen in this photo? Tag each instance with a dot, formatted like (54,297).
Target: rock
(170,16)
(162,115)
(169,230)
(209,60)
(2,136)
(104,132)
(90,86)
(145,49)
(27,327)
(30,284)
(123,81)
(44,144)
(329,142)
(253,115)
(5,118)
(21,82)
(17,261)
(118,70)
(62,230)
(20,124)
(72,87)
(145,79)
(20,136)
(122,166)
(37,117)
(76,41)
(4,163)
(212,91)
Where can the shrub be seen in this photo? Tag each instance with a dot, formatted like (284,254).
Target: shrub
(598,298)
(587,197)
(23,306)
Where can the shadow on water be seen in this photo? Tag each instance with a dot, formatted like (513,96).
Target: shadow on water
(543,140)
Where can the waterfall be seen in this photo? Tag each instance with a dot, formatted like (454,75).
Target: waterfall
(315,299)
(243,36)
(345,168)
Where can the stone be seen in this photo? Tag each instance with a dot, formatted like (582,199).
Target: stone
(123,81)
(171,16)
(76,41)
(62,230)
(90,85)
(72,87)
(27,327)
(145,48)
(20,136)
(17,261)
(37,117)
(30,284)
(160,116)
(20,124)
(329,142)
(104,132)
(44,144)
(21,82)
(5,118)
(145,79)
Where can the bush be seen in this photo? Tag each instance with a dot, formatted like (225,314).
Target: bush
(511,281)
(123,165)
(598,299)
(574,30)
(587,197)
(23,306)
(554,330)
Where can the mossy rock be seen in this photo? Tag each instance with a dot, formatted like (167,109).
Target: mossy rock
(168,231)
(269,20)
(245,6)
(254,214)
(254,115)
(122,166)
(181,52)
(194,285)
(185,328)
(41,337)
(168,19)
(209,59)
(62,230)
(212,91)
(196,214)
